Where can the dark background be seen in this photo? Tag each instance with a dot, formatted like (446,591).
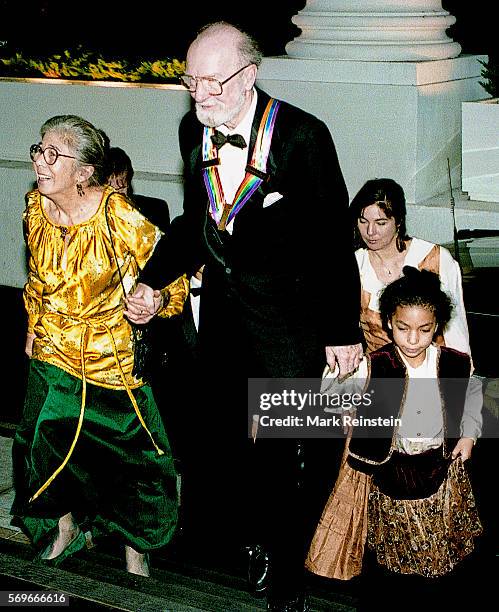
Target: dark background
(152,29)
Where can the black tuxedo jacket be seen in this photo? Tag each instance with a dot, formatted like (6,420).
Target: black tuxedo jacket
(285,284)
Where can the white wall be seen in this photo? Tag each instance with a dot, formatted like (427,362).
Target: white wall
(396,119)
(141,120)
(481,149)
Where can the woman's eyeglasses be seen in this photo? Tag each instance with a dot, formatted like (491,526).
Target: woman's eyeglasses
(50,154)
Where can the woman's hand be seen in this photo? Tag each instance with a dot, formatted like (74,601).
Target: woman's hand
(28,349)
(463,447)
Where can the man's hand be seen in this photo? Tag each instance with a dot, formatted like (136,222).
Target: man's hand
(143,304)
(463,447)
(347,357)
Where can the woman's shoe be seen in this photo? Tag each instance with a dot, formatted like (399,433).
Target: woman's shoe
(137,563)
(76,544)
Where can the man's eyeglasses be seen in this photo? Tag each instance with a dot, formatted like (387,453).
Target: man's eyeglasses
(50,154)
(213,86)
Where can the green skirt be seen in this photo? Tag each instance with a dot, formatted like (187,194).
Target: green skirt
(115,482)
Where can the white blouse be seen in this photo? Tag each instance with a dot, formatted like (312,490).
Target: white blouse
(456,333)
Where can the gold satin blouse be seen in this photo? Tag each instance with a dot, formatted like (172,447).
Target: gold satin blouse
(74,297)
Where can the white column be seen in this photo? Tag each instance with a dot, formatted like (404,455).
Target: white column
(373,30)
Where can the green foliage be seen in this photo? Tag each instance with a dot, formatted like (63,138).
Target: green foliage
(490,72)
(86,65)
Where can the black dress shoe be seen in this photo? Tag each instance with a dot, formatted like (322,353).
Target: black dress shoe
(258,569)
(300,603)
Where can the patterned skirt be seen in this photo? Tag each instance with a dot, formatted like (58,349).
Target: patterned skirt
(425,536)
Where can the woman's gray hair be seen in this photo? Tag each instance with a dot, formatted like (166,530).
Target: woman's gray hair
(89,145)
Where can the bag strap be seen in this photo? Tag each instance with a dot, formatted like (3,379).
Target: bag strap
(136,333)
(112,243)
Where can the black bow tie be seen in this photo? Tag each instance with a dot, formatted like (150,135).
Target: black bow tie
(219,139)
(195,291)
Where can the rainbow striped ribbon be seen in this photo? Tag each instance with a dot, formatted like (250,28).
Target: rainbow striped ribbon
(256,171)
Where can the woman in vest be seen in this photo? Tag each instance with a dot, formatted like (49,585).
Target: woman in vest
(378,214)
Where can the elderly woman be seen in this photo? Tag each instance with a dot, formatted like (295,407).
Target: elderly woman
(378,214)
(91,448)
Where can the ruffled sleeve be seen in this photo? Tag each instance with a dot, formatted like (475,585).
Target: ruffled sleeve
(132,232)
(174,296)
(456,333)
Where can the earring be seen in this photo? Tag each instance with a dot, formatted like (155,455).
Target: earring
(79,189)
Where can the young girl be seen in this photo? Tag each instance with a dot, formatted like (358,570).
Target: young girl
(407,492)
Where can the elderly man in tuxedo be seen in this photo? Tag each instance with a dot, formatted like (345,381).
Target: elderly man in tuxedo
(265,209)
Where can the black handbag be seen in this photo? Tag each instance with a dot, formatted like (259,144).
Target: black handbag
(143,352)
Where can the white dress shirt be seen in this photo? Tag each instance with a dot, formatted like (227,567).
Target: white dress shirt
(195,299)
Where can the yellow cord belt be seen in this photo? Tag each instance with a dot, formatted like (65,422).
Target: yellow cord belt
(83,401)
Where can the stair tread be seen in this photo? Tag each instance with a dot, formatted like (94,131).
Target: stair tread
(119,597)
(183,586)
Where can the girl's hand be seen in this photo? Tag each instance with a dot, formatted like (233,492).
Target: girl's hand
(463,448)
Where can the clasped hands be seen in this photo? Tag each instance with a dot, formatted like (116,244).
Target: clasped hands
(143,304)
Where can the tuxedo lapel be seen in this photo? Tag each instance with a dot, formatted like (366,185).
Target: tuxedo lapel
(261,105)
